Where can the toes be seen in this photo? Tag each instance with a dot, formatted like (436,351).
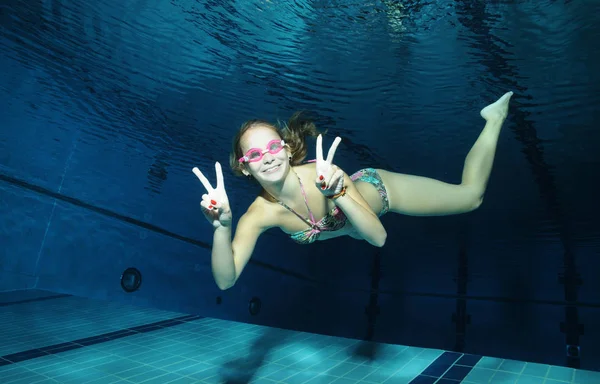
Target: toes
(507,96)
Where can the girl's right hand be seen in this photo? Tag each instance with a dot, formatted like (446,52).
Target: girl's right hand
(215,204)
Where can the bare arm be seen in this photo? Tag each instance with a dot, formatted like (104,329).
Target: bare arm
(229,258)
(356,209)
(361,216)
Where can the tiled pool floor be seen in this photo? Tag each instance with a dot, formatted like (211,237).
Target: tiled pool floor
(65,339)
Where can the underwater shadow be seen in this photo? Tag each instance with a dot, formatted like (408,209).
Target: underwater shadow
(243,369)
(366,350)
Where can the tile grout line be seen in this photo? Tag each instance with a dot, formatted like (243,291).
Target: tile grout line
(18,357)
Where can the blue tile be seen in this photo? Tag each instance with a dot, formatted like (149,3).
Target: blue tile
(359,373)
(469,360)
(457,372)
(254,381)
(561,373)
(324,366)
(22,375)
(423,380)
(118,334)
(321,379)
(411,351)
(430,354)
(50,367)
(524,379)
(64,347)
(206,373)
(441,364)
(298,378)
(436,369)
(448,357)
(144,374)
(535,369)
(151,327)
(88,341)
(586,377)
(170,378)
(403,358)
(342,369)
(280,375)
(489,363)
(117,367)
(83,376)
(512,366)
(504,378)
(91,340)
(380,375)
(479,375)
(23,356)
(414,368)
(343,380)
(14,300)
(193,368)
(417,365)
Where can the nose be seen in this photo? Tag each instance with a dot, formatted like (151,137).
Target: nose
(268,157)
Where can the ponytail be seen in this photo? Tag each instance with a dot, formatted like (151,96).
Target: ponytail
(294,134)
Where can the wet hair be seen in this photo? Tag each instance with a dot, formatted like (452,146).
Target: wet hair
(294,133)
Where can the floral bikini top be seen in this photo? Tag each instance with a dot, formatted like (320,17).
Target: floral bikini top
(332,221)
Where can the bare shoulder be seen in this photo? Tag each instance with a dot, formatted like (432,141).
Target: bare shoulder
(262,213)
(307,169)
(307,166)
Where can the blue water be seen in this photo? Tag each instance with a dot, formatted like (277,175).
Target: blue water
(106,106)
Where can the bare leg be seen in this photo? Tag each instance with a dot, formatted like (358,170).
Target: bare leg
(480,159)
(422,196)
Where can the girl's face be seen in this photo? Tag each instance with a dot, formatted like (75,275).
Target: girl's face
(272,167)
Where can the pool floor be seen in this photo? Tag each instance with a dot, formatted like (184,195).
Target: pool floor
(50,338)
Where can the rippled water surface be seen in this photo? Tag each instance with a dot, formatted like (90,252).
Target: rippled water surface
(148,89)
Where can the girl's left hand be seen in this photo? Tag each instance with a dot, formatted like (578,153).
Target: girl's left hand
(330,178)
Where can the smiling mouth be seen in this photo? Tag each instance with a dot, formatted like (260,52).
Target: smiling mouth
(271,169)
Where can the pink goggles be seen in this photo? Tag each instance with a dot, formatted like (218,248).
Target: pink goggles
(256,154)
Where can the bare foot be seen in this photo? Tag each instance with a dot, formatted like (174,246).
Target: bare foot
(497,110)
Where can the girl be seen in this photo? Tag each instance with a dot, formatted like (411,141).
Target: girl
(318,201)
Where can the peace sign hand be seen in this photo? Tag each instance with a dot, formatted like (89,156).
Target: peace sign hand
(330,178)
(215,204)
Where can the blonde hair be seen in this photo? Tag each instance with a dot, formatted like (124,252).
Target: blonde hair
(294,133)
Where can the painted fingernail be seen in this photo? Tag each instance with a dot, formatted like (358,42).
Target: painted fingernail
(213,202)
(323,186)
(321,177)
(210,207)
